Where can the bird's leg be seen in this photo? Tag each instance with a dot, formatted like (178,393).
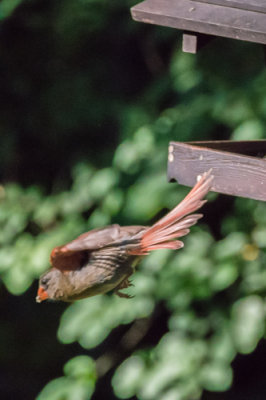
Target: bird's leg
(123,285)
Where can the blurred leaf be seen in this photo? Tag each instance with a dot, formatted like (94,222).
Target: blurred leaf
(230,246)
(7,7)
(78,384)
(90,321)
(249,130)
(129,377)
(102,181)
(248,323)
(224,276)
(222,348)
(216,376)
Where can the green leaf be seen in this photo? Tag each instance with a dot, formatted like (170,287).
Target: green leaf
(78,384)
(129,377)
(248,323)
(216,376)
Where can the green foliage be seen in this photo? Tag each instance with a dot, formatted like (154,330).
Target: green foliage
(78,383)
(90,322)
(7,7)
(211,292)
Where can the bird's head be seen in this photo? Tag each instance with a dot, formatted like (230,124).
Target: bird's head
(51,286)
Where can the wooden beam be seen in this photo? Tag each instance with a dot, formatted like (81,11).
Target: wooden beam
(234,173)
(249,5)
(203,17)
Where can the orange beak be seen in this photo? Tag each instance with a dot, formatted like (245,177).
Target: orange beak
(41,295)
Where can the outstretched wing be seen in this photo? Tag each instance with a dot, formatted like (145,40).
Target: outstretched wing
(99,238)
(75,253)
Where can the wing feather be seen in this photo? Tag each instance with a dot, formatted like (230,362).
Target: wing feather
(75,253)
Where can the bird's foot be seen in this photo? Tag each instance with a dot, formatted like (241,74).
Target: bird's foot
(123,295)
(126,283)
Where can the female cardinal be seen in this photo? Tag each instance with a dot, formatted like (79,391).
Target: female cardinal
(103,259)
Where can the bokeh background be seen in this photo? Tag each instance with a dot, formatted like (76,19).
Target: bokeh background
(89,100)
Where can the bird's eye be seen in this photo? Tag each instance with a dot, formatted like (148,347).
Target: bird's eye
(44,281)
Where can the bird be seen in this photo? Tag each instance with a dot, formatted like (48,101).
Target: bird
(103,260)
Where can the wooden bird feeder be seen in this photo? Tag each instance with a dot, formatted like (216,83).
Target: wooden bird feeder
(239,168)
(236,19)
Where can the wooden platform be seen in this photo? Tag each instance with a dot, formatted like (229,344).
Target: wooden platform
(239,168)
(236,19)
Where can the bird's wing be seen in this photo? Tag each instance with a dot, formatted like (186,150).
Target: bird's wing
(99,238)
(73,254)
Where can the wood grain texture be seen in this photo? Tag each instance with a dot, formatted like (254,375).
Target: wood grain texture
(234,174)
(201,17)
(249,5)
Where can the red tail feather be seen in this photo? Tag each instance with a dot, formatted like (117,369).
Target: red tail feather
(177,222)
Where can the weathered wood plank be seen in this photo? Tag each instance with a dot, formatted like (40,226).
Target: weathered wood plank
(210,19)
(249,5)
(234,174)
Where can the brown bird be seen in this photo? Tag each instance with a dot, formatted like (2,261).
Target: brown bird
(103,259)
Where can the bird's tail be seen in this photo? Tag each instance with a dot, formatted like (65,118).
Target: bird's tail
(177,222)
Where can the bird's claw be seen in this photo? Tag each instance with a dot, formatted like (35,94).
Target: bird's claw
(126,283)
(123,295)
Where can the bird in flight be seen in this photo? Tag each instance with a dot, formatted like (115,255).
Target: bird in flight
(103,259)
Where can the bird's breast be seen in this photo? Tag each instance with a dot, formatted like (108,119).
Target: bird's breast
(104,271)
